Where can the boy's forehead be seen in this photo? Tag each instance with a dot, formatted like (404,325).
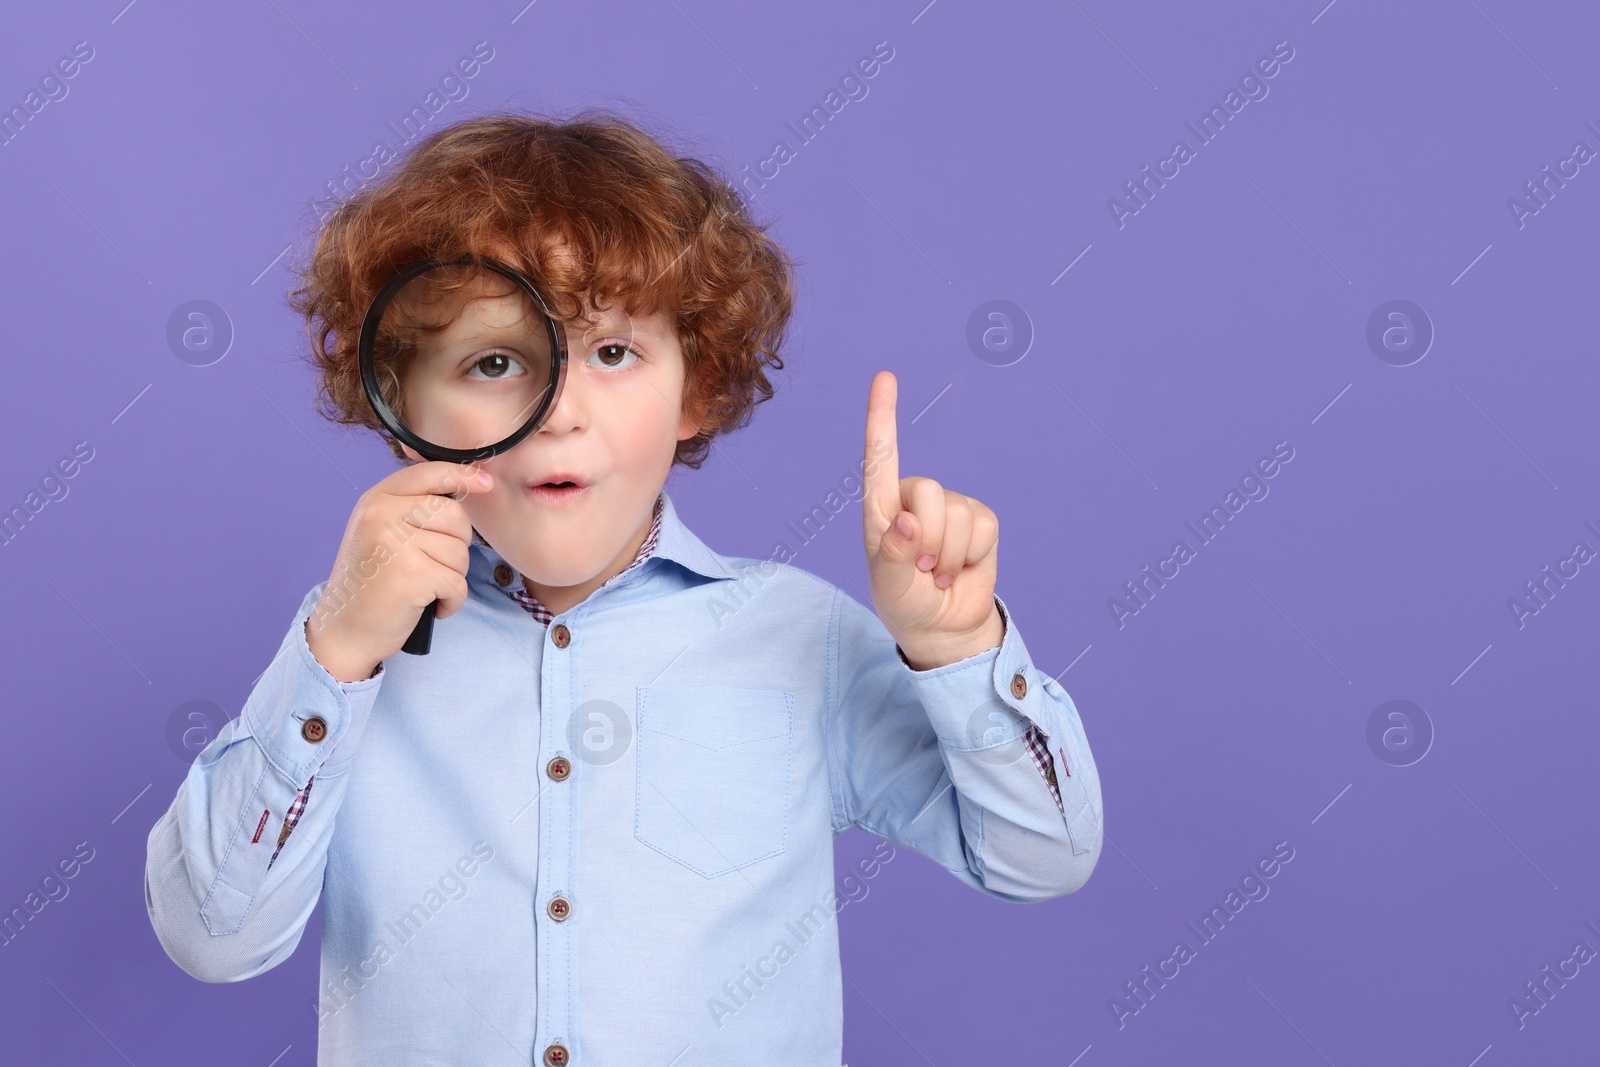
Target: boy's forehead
(653,323)
(616,320)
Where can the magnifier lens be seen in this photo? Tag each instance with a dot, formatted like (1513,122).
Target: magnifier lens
(463,356)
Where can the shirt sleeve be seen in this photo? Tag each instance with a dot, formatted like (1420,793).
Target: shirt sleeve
(227,889)
(982,765)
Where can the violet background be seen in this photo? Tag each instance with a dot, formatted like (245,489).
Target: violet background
(1229,314)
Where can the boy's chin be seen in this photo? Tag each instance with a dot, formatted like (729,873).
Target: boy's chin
(551,566)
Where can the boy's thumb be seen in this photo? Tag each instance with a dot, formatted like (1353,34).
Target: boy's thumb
(899,546)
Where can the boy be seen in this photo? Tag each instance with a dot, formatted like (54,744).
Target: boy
(595,824)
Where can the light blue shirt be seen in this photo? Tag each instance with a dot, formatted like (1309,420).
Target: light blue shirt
(668,898)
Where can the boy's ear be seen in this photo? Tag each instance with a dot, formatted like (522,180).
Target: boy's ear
(693,418)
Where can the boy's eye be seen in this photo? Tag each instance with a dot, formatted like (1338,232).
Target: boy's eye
(495,366)
(612,356)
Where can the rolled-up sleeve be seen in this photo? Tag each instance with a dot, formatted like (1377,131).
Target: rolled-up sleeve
(939,760)
(227,887)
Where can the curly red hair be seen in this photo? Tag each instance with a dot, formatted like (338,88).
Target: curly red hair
(600,214)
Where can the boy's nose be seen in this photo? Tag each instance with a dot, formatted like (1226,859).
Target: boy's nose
(571,409)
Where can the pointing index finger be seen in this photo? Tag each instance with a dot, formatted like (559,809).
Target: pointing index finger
(881,467)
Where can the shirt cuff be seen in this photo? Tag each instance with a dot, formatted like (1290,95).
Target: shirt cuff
(961,714)
(997,696)
(305,720)
(965,720)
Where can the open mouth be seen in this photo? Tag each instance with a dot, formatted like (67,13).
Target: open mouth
(557,490)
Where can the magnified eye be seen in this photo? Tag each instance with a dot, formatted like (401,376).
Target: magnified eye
(613,356)
(495,366)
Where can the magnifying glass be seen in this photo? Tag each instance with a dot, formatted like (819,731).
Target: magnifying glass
(460,360)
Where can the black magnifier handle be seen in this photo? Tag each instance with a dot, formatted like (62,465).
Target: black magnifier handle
(421,639)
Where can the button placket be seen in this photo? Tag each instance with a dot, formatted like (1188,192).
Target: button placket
(557,830)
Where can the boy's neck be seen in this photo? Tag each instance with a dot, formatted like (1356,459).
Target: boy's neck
(562,597)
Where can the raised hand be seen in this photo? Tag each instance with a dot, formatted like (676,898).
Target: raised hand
(932,553)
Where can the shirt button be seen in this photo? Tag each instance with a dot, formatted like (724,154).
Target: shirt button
(1019,685)
(555,1056)
(502,574)
(558,768)
(561,635)
(314,729)
(559,908)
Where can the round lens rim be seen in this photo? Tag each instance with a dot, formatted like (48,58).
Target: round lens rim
(369,371)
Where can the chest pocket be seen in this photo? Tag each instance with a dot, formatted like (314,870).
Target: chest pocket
(712,783)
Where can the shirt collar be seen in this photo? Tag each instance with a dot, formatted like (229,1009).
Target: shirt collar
(679,544)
